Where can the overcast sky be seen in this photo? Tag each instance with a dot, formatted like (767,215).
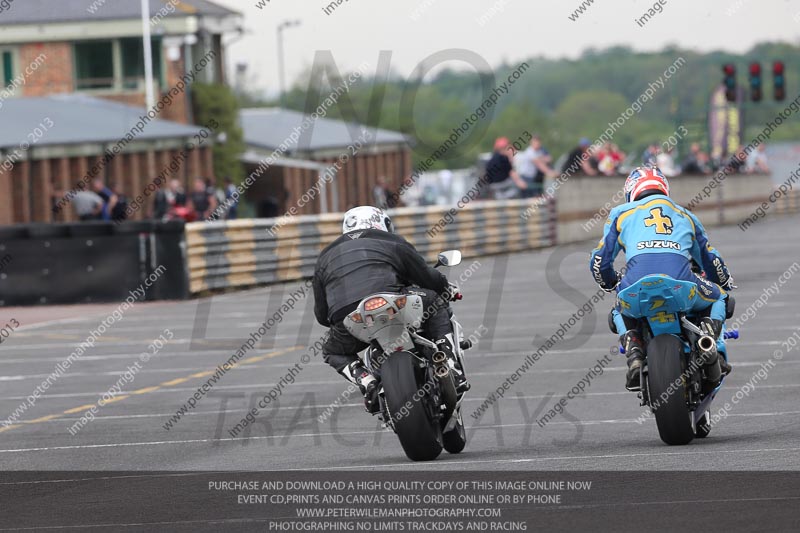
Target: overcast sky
(358,29)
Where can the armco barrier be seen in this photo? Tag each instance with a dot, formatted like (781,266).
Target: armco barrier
(71,263)
(788,203)
(236,254)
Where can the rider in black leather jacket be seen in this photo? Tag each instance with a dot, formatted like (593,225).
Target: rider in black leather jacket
(367,259)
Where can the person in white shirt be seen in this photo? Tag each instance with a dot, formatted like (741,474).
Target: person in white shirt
(666,163)
(757,161)
(533,165)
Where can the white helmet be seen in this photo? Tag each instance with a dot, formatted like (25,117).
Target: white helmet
(366,217)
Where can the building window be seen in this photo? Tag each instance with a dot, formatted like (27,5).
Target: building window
(7,68)
(94,65)
(115,65)
(132,56)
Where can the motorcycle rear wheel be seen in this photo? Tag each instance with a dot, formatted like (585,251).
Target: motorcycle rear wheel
(419,434)
(668,400)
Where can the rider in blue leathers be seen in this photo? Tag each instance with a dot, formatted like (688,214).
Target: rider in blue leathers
(660,237)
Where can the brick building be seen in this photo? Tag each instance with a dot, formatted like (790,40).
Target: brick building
(308,149)
(95,47)
(74,133)
(79,64)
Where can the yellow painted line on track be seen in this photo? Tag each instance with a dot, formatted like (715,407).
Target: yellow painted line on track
(149,389)
(116,399)
(146,390)
(177,381)
(79,409)
(42,419)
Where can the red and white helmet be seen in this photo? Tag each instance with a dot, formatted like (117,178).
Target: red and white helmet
(643,179)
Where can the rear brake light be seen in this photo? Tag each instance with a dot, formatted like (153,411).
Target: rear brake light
(374,303)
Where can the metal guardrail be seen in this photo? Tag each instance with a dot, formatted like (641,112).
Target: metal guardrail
(242,253)
(788,203)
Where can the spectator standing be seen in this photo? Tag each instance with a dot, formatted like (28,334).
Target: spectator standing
(697,161)
(203,201)
(504,181)
(609,159)
(650,155)
(579,161)
(161,203)
(108,196)
(214,192)
(120,210)
(380,193)
(167,198)
(543,160)
(88,205)
(525,163)
(666,163)
(735,164)
(757,161)
(231,199)
(533,166)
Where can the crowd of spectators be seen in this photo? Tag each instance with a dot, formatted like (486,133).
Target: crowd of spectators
(593,160)
(513,173)
(204,201)
(102,202)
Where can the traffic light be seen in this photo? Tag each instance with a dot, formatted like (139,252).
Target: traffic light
(730,81)
(755,82)
(779,80)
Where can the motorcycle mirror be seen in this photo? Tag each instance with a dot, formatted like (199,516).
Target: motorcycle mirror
(449,258)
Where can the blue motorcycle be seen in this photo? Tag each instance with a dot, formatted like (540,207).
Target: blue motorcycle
(673,379)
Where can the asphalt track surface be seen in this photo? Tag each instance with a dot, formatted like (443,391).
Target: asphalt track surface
(124,471)
(520,299)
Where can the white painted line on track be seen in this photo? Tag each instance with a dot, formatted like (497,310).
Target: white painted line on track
(373,431)
(450,463)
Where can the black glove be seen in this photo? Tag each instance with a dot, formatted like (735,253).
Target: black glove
(618,277)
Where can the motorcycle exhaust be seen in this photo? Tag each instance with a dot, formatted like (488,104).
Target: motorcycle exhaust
(706,344)
(708,349)
(446,382)
(708,354)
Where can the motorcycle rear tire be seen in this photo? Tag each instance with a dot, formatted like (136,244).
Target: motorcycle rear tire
(664,370)
(419,435)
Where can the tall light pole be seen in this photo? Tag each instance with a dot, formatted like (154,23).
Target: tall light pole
(281,67)
(148,55)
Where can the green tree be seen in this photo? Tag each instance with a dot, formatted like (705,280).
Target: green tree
(215,102)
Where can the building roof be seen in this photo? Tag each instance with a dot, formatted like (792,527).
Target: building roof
(44,11)
(270,127)
(78,119)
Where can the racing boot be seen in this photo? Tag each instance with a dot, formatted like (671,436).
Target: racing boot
(462,385)
(713,328)
(634,350)
(357,373)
